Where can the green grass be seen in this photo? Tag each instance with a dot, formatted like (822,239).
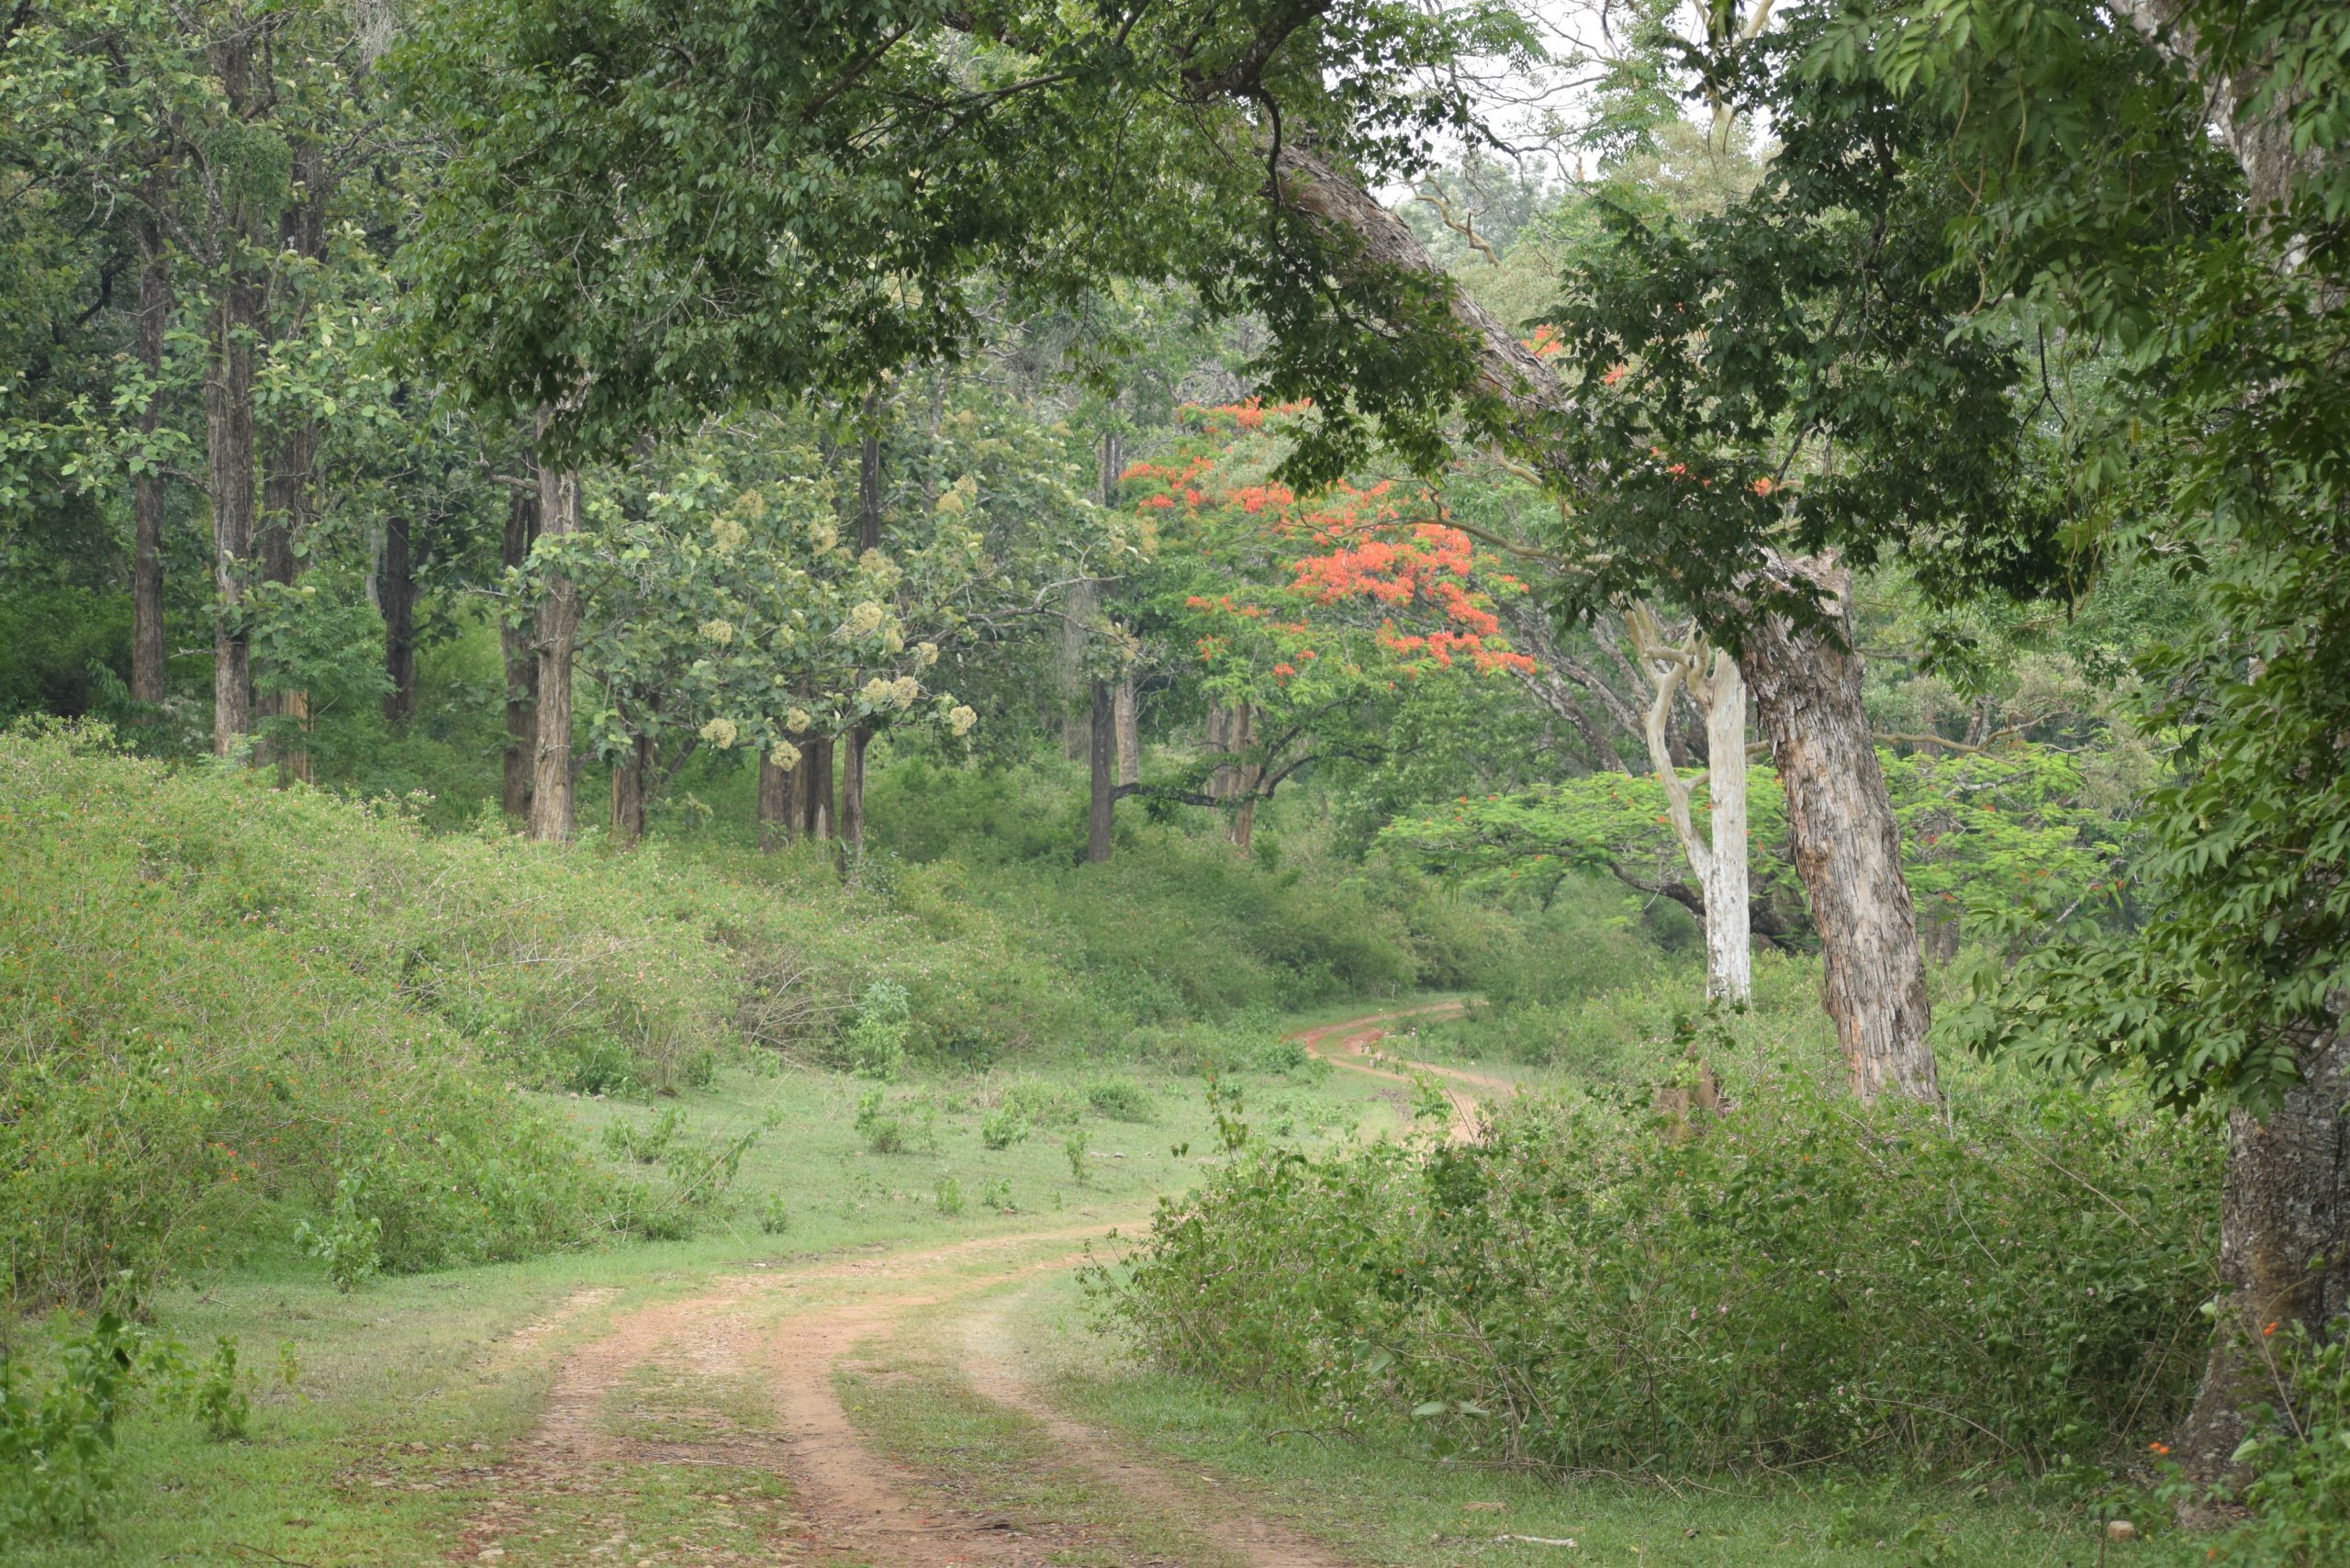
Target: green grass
(332,1472)
(1385,1496)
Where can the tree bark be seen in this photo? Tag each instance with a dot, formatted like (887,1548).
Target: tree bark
(1084,602)
(778,809)
(1246,774)
(522,664)
(1717,860)
(287,491)
(869,537)
(1129,721)
(146,498)
(557,638)
(1101,757)
(229,427)
(396,593)
(629,771)
(2284,1247)
(1847,846)
(816,807)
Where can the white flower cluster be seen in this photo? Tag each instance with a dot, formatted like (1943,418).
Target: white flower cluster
(784,754)
(721,733)
(726,536)
(798,720)
(718,634)
(926,654)
(961,720)
(863,620)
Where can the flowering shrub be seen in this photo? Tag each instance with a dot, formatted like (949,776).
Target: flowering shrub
(1802,1280)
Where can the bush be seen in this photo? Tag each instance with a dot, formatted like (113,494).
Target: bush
(1002,1127)
(1804,1279)
(1121,1101)
(2298,1460)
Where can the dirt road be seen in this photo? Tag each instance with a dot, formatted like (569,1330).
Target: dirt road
(710,1429)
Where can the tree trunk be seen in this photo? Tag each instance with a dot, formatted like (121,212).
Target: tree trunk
(869,537)
(1730,940)
(1129,721)
(816,817)
(522,664)
(1717,860)
(1246,774)
(396,593)
(778,811)
(1847,846)
(629,770)
(2284,1247)
(1077,620)
(147,495)
(852,787)
(286,493)
(557,636)
(1101,756)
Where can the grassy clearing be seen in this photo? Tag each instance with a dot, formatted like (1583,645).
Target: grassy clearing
(407,1390)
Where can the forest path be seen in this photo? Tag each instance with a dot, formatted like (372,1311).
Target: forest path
(710,1429)
(1351,1044)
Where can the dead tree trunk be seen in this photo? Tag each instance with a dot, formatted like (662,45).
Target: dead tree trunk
(1101,757)
(522,664)
(147,497)
(556,638)
(1718,859)
(1847,845)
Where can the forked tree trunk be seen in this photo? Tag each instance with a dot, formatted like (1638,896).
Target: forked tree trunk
(779,807)
(2284,1247)
(557,637)
(522,664)
(1847,845)
(396,593)
(146,498)
(1101,758)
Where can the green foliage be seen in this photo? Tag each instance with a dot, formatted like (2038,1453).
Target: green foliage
(346,1239)
(1078,1147)
(949,1196)
(1121,1099)
(774,1215)
(996,1193)
(1582,1291)
(2298,1460)
(875,1042)
(58,1441)
(884,1132)
(1004,1126)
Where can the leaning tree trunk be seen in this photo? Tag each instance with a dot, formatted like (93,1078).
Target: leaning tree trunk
(522,664)
(1101,752)
(1847,845)
(2283,1246)
(557,638)
(147,497)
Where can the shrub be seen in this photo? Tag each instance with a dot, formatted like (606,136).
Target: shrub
(883,1132)
(2298,1460)
(1121,1101)
(775,1217)
(1002,1127)
(1079,1147)
(950,1195)
(1802,1280)
(875,1045)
